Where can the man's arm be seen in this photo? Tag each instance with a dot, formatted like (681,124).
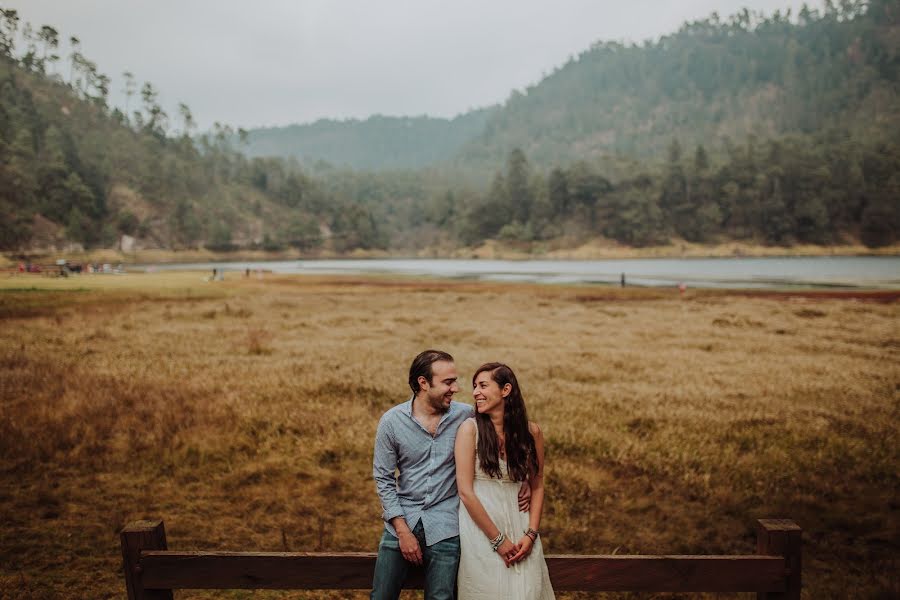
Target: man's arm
(383,466)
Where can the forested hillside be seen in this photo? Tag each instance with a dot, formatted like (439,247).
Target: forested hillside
(752,128)
(378,142)
(776,129)
(769,131)
(74,170)
(716,78)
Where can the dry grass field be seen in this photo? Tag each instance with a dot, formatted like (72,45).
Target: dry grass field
(243,412)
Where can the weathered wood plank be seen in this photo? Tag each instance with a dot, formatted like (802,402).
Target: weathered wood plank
(283,570)
(783,538)
(260,570)
(666,573)
(137,537)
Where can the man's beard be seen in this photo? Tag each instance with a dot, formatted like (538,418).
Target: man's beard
(439,406)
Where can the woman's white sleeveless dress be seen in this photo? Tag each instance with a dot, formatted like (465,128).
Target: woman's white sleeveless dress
(482,573)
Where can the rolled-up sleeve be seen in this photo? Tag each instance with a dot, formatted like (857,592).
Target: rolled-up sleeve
(383,466)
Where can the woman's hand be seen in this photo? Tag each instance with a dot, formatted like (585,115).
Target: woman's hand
(507,550)
(523,548)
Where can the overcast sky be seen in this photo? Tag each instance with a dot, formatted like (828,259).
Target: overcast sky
(277,62)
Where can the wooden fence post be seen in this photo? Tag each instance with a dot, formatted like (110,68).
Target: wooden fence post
(137,536)
(781,537)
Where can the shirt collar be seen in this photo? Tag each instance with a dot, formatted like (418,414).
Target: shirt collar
(407,407)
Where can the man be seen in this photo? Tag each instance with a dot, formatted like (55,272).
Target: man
(420,506)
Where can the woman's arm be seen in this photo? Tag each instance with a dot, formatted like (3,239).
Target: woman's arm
(526,543)
(464,451)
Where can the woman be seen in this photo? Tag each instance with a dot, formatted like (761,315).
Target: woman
(501,553)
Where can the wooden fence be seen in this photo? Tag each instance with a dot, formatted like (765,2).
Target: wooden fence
(152,571)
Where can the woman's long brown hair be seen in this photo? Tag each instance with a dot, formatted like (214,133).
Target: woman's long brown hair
(521,455)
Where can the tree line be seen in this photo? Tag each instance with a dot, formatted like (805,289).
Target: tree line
(825,189)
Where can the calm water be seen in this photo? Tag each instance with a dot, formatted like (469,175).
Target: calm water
(844,271)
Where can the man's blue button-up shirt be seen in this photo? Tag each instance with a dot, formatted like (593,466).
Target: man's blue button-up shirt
(424,486)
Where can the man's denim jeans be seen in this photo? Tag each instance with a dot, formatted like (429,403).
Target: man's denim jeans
(441,562)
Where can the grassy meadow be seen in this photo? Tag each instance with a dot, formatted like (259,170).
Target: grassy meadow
(243,412)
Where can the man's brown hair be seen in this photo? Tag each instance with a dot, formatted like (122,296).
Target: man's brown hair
(421,367)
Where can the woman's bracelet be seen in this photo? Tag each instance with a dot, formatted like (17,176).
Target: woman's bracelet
(532,534)
(495,543)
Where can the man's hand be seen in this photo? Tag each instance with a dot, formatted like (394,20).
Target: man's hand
(409,547)
(525,497)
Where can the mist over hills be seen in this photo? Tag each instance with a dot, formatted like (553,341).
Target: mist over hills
(715,79)
(379,142)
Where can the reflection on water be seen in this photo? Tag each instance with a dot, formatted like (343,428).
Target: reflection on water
(844,271)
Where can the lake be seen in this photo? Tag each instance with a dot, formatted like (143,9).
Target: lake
(882,272)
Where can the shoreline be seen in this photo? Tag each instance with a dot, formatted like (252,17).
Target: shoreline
(491,250)
(583,291)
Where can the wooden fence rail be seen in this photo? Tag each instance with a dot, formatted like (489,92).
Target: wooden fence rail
(152,571)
